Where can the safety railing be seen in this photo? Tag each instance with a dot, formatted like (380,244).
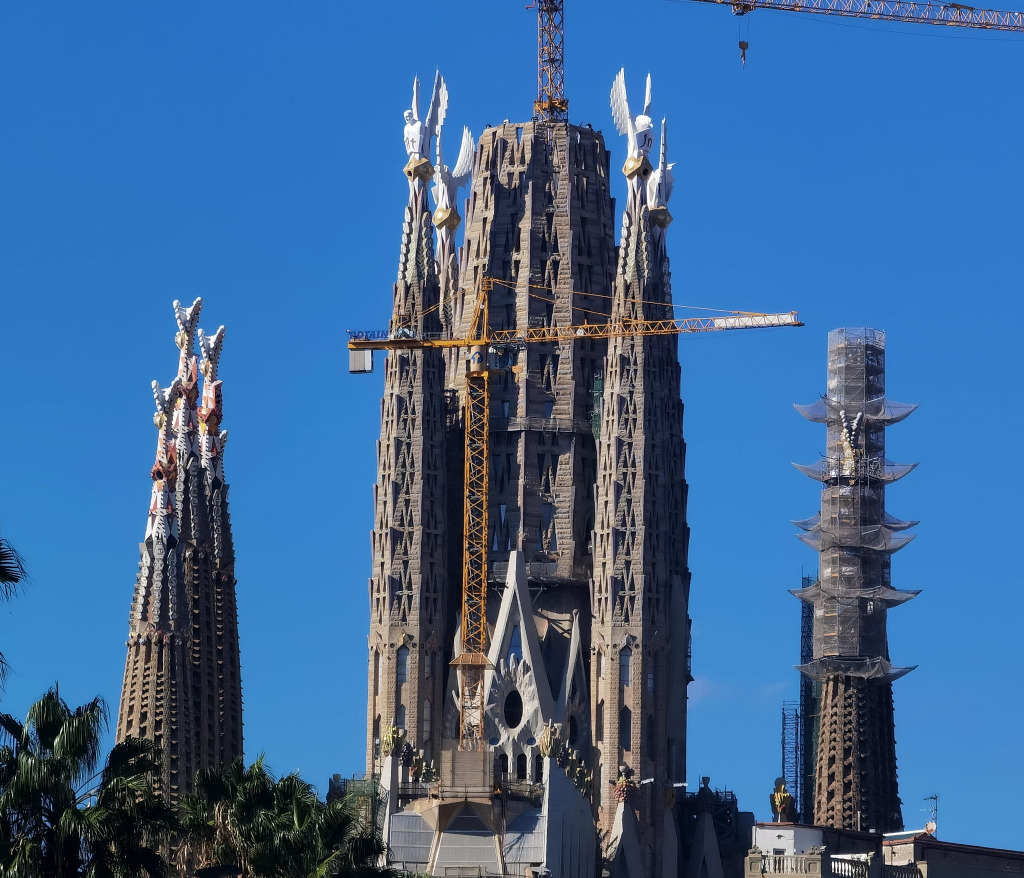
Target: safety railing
(910,871)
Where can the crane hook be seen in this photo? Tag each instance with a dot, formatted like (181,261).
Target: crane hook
(744,45)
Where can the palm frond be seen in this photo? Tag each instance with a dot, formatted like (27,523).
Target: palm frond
(12,569)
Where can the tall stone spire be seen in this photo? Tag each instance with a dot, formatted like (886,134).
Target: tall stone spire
(641,581)
(182,680)
(409,583)
(856,784)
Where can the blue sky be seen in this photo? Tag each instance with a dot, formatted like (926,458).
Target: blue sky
(251,153)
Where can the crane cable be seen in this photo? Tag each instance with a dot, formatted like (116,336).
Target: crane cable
(512,286)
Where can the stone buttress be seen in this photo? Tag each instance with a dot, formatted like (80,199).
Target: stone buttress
(409,585)
(639,669)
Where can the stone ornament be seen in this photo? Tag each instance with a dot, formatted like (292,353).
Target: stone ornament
(418,133)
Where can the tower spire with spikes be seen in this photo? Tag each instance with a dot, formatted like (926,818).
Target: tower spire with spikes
(182,680)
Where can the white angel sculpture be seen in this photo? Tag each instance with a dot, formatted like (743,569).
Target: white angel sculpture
(659,186)
(448,182)
(418,133)
(638,128)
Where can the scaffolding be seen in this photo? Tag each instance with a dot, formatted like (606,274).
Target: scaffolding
(369,800)
(792,751)
(810,699)
(854,536)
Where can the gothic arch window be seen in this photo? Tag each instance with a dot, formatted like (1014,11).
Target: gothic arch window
(625,663)
(626,729)
(400,716)
(376,672)
(521,767)
(538,769)
(503,764)
(426,723)
(402,665)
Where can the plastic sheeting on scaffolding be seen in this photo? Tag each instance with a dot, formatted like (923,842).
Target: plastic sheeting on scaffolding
(883,470)
(866,668)
(881,410)
(890,521)
(875,536)
(890,597)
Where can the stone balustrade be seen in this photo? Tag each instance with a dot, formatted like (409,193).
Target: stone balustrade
(784,864)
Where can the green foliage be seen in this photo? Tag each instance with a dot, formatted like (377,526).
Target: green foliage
(12,572)
(59,817)
(271,827)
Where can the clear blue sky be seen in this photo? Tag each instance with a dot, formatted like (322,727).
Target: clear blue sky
(251,152)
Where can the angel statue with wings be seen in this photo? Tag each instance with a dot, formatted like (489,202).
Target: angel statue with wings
(448,182)
(418,133)
(638,128)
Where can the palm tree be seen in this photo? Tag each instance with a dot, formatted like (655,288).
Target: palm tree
(12,571)
(59,817)
(274,828)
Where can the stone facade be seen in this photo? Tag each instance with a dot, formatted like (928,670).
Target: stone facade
(182,682)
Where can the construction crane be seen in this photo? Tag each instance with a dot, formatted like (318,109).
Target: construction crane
(551,104)
(951,14)
(480,342)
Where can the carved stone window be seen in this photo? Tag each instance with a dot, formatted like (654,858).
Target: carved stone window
(521,767)
(513,710)
(402,665)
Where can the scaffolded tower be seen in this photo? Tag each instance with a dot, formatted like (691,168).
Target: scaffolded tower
(182,680)
(856,784)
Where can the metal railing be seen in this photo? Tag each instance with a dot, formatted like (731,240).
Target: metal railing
(909,871)
(522,789)
(417,790)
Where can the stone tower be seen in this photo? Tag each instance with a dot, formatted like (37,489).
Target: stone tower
(856,783)
(640,631)
(586,531)
(409,584)
(182,680)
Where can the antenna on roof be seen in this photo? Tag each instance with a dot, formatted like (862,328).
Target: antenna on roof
(933,823)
